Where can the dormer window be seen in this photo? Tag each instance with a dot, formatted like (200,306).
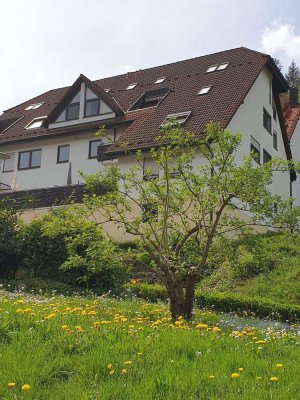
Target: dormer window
(131,86)
(204,90)
(160,80)
(178,118)
(217,67)
(72,110)
(150,99)
(92,104)
(33,106)
(35,123)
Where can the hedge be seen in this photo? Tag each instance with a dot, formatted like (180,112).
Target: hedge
(226,302)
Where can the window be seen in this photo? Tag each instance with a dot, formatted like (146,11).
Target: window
(72,110)
(217,67)
(267,121)
(150,169)
(150,99)
(179,118)
(107,90)
(92,104)
(33,106)
(36,123)
(160,80)
(255,149)
(266,156)
(212,68)
(63,153)
(30,159)
(222,66)
(204,90)
(131,86)
(274,114)
(275,140)
(8,163)
(93,148)
(150,213)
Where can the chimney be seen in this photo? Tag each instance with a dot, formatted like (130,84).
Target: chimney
(293,97)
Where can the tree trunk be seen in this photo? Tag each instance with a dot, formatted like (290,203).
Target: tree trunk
(175,291)
(189,297)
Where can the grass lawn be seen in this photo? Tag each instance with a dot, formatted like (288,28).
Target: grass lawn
(98,348)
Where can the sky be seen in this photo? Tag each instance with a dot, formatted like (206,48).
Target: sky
(47,44)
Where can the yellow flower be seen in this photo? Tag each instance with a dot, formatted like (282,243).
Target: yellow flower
(235,375)
(201,326)
(140,354)
(11,385)
(211,377)
(216,329)
(128,362)
(274,379)
(110,366)
(279,365)
(111,372)
(124,371)
(26,387)
(64,327)
(240,369)
(261,342)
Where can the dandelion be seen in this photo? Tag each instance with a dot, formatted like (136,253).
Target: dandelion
(140,354)
(279,365)
(211,377)
(11,385)
(124,371)
(111,372)
(261,342)
(26,387)
(128,363)
(273,379)
(240,369)
(110,366)
(235,375)
(64,327)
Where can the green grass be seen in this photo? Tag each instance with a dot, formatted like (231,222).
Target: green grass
(170,360)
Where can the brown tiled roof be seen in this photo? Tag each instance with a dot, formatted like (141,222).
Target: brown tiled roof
(184,78)
(290,115)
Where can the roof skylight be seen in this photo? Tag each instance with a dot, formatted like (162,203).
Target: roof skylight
(204,90)
(217,67)
(107,90)
(131,86)
(222,66)
(178,118)
(151,98)
(35,123)
(160,80)
(33,106)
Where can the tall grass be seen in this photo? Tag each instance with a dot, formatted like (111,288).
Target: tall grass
(76,348)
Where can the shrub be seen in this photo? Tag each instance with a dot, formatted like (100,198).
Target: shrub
(10,240)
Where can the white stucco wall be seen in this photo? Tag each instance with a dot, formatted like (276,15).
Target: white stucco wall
(295,147)
(51,173)
(248,120)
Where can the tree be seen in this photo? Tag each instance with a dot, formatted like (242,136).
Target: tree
(293,75)
(278,63)
(177,216)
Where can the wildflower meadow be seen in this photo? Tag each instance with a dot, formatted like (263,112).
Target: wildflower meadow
(101,348)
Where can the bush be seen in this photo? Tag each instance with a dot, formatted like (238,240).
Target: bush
(67,246)
(225,302)
(10,240)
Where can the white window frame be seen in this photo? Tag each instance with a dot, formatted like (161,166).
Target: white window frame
(160,80)
(34,106)
(131,86)
(185,114)
(204,90)
(36,119)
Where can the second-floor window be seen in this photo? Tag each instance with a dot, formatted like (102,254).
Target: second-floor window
(255,149)
(30,159)
(63,153)
(266,156)
(275,141)
(8,163)
(267,121)
(93,148)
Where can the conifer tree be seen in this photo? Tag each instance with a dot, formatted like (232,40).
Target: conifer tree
(293,75)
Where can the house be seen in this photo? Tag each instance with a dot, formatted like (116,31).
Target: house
(291,113)
(51,137)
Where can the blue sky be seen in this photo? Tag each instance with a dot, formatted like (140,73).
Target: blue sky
(47,44)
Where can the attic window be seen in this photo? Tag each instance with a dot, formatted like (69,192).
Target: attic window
(107,90)
(35,123)
(217,67)
(131,86)
(33,106)
(204,90)
(160,80)
(178,118)
(150,99)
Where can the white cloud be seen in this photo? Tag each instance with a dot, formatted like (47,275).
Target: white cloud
(281,41)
